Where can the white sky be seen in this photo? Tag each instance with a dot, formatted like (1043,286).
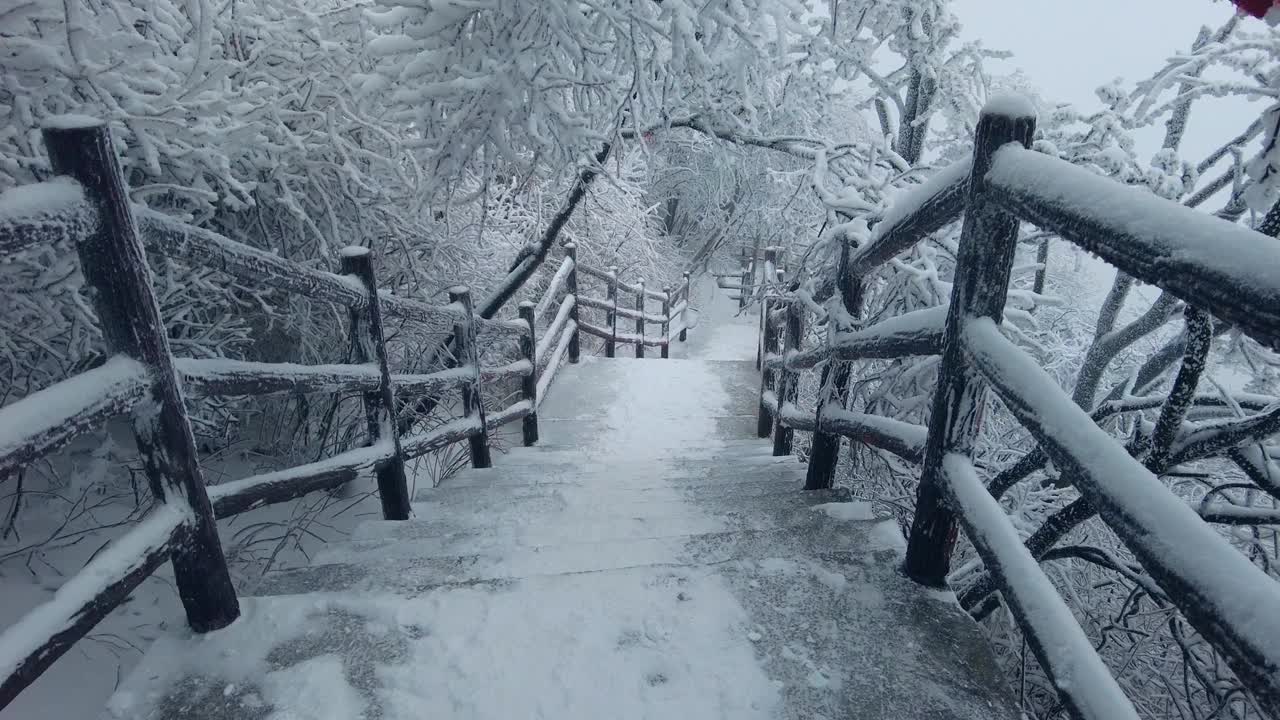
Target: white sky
(1070,47)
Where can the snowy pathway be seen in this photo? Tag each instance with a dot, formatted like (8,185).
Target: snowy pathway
(649,559)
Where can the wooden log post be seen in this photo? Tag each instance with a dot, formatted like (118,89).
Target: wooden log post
(684,320)
(769,255)
(368,345)
(1042,269)
(114,265)
(611,318)
(768,344)
(824,452)
(467,352)
(571,287)
(666,322)
(788,380)
(988,239)
(640,320)
(529,383)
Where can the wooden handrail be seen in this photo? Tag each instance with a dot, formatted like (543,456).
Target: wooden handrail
(86,205)
(1230,271)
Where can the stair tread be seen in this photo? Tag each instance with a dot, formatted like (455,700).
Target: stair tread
(515,478)
(350,568)
(454,535)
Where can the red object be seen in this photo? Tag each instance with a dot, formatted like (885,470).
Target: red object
(1256,8)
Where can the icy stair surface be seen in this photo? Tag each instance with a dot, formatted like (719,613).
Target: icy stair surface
(648,560)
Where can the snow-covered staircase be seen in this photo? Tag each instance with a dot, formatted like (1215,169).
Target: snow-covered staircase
(650,559)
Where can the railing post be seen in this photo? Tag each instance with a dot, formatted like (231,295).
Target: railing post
(824,451)
(368,346)
(684,325)
(766,272)
(571,286)
(467,352)
(988,239)
(788,381)
(529,383)
(666,322)
(640,320)
(114,265)
(768,344)
(611,318)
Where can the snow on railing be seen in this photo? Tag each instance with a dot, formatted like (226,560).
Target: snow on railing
(30,645)
(416,445)
(1212,264)
(554,329)
(516,411)
(233,498)
(674,305)
(1222,594)
(54,211)
(557,283)
(918,332)
(57,211)
(50,418)
(218,376)
(1225,268)
(915,214)
(1082,680)
(553,363)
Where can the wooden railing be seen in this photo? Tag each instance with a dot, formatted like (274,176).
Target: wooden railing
(751,281)
(1214,265)
(674,305)
(87,207)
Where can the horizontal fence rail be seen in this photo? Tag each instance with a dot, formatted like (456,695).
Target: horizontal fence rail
(1214,265)
(87,208)
(671,318)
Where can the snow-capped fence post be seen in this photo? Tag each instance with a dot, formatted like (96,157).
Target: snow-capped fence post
(529,383)
(114,264)
(611,318)
(824,448)
(368,346)
(571,287)
(768,344)
(467,352)
(766,276)
(684,325)
(988,239)
(1042,269)
(640,319)
(788,380)
(666,322)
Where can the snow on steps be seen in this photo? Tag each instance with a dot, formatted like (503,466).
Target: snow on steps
(780,508)
(523,480)
(402,568)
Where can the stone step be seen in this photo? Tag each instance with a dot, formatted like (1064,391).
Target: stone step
(654,477)
(563,503)
(596,492)
(612,457)
(762,446)
(397,568)
(582,431)
(460,535)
